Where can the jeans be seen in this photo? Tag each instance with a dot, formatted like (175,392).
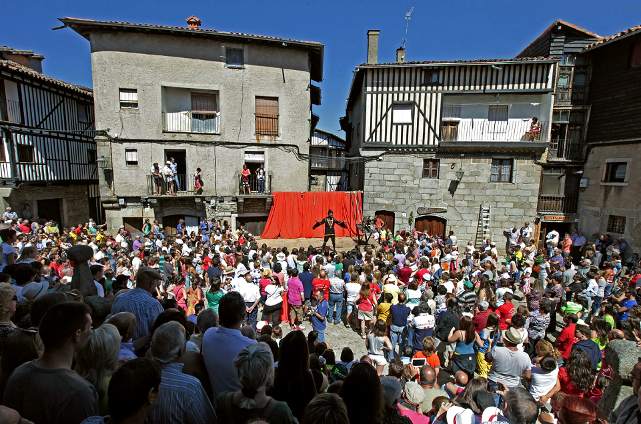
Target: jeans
(261,185)
(596,304)
(396,337)
(321,335)
(252,317)
(335,300)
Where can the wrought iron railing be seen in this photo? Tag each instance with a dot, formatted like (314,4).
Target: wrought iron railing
(560,204)
(254,185)
(565,149)
(159,185)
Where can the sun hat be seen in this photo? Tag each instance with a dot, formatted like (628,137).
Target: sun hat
(414,393)
(460,415)
(492,415)
(392,279)
(512,336)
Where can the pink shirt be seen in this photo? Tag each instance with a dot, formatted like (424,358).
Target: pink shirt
(295,291)
(415,417)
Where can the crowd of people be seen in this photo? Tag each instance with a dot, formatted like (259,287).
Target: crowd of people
(152,326)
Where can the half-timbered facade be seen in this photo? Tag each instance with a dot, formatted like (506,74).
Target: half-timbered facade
(445,144)
(327,163)
(561,169)
(208,99)
(47,150)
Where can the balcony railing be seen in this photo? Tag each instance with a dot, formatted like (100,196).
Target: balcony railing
(484,130)
(565,149)
(560,204)
(267,125)
(191,122)
(328,163)
(254,185)
(159,186)
(575,95)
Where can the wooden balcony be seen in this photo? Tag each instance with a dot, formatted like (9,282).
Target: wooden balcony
(558,204)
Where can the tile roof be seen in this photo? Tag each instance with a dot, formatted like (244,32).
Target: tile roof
(462,61)
(546,32)
(30,73)
(11,50)
(615,37)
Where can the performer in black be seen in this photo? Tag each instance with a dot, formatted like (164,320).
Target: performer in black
(329,222)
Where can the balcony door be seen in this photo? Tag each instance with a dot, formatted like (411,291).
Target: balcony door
(180,157)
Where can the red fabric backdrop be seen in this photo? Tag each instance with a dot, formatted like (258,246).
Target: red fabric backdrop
(293,214)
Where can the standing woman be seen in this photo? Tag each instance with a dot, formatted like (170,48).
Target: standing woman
(194,296)
(365,305)
(378,345)
(198,182)
(180,294)
(464,358)
(273,302)
(9,254)
(213,295)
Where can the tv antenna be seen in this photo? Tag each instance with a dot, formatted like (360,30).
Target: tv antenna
(408,18)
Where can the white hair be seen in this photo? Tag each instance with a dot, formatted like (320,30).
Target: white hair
(168,342)
(255,368)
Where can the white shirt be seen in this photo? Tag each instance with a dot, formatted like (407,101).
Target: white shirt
(449,285)
(274,293)
(250,292)
(99,288)
(352,289)
(542,382)
(424,321)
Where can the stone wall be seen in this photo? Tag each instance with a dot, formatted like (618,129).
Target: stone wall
(74,202)
(395,184)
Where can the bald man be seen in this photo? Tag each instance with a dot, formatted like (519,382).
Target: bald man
(430,388)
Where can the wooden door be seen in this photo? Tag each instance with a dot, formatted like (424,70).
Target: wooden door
(388,218)
(432,225)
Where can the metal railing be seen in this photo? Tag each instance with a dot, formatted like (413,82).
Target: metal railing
(328,163)
(484,130)
(254,185)
(267,125)
(162,186)
(565,149)
(574,95)
(191,122)
(561,204)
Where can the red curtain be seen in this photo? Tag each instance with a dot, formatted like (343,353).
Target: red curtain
(293,214)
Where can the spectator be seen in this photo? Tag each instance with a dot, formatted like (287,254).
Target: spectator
(326,408)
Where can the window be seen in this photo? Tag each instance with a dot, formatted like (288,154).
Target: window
(128,98)
(635,56)
(501,171)
(83,113)
(430,77)
(91,156)
(234,57)
(615,172)
(430,168)
(449,131)
(563,81)
(402,113)
(616,224)
(131,157)
(25,153)
(497,113)
(267,116)
(3,156)
(452,111)
(204,112)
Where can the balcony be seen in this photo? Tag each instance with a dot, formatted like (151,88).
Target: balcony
(160,187)
(327,163)
(557,203)
(254,186)
(191,122)
(13,111)
(565,150)
(570,96)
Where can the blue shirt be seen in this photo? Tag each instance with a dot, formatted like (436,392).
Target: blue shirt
(140,303)
(306,278)
(181,399)
(317,323)
(220,347)
(628,303)
(399,313)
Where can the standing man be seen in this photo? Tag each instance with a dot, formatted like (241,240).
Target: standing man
(319,322)
(174,169)
(330,233)
(295,299)
(260,176)
(251,295)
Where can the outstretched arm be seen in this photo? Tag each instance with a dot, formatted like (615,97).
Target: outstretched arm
(318,224)
(341,223)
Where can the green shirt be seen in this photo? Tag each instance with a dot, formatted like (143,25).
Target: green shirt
(213,299)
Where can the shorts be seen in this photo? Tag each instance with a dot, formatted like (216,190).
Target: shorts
(295,313)
(379,360)
(365,315)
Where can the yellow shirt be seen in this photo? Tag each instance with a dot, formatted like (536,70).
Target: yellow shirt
(383,311)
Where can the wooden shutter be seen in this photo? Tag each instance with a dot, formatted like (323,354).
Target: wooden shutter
(267,116)
(204,103)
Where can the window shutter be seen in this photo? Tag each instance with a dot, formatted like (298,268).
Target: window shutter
(204,103)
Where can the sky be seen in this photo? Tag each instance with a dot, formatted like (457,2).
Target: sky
(454,29)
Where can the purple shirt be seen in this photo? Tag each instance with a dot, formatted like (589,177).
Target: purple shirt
(136,244)
(294,291)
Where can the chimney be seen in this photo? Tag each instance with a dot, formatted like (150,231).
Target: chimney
(372,46)
(193,22)
(400,55)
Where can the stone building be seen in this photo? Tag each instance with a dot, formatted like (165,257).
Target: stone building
(610,201)
(209,99)
(449,145)
(47,148)
(327,164)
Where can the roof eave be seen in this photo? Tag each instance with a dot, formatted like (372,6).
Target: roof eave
(614,39)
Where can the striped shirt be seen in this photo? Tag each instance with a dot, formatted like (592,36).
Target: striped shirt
(140,303)
(181,399)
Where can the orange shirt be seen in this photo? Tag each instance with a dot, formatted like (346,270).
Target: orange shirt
(432,360)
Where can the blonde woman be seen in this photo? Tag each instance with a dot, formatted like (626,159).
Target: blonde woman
(97,360)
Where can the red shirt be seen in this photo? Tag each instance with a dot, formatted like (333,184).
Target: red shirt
(321,284)
(24,228)
(567,386)
(404,274)
(375,290)
(480,320)
(566,340)
(505,312)
(421,274)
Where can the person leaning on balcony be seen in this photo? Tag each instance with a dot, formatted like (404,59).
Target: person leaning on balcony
(157,177)
(260,176)
(198,181)
(169,177)
(534,132)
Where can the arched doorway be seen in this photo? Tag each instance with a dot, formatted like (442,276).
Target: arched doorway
(432,225)
(388,219)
